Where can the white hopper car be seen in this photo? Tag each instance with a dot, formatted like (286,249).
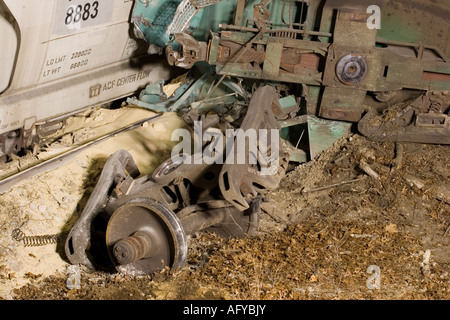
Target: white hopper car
(59,57)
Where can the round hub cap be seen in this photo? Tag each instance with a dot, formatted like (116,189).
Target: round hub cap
(351,69)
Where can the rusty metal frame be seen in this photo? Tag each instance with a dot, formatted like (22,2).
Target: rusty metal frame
(239,183)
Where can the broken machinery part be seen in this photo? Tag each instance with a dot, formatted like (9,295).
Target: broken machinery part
(144,221)
(239,181)
(425,120)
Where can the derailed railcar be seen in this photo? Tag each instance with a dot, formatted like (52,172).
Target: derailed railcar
(344,54)
(60,57)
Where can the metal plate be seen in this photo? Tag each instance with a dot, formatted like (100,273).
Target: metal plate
(74,15)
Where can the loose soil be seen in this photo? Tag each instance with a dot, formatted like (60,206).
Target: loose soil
(319,238)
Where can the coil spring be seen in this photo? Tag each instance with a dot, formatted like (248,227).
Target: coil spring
(436,106)
(34,241)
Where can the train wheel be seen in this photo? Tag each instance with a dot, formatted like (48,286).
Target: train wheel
(144,236)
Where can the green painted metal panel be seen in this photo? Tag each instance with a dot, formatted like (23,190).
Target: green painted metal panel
(324,133)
